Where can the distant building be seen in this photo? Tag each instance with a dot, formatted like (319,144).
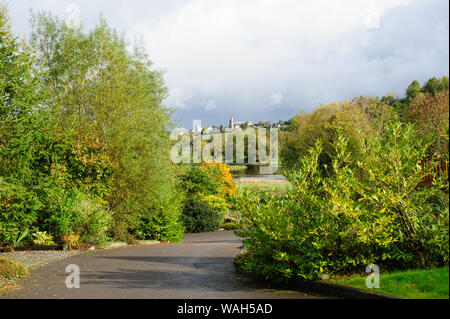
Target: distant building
(237,125)
(207,129)
(231,122)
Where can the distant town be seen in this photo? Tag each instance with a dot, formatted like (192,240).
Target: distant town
(238,125)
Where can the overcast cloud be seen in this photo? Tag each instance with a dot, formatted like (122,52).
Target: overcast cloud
(266,59)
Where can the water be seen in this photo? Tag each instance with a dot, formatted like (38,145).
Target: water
(260,172)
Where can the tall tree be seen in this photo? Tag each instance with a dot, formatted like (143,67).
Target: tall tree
(97,81)
(25,136)
(413,90)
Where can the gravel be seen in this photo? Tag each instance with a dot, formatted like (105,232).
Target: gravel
(39,258)
(42,257)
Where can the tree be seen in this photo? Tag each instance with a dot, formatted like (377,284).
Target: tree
(27,143)
(430,112)
(435,85)
(95,81)
(305,129)
(364,116)
(413,90)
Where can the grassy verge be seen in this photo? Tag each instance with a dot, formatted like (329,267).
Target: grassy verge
(237,168)
(265,187)
(10,271)
(413,284)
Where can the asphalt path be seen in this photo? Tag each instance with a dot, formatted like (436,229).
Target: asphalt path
(200,267)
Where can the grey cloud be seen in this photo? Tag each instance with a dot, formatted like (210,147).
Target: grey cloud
(240,54)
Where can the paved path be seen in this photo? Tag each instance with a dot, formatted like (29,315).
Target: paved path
(199,267)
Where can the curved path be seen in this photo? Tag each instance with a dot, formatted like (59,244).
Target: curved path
(200,267)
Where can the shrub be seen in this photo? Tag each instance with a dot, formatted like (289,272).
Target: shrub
(11,269)
(70,241)
(43,239)
(241,260)
(93,222)
(163,223)
(231,225)
(207,189)
(222,175)
(76,213)
(341,221)
(196,179)
(203,213)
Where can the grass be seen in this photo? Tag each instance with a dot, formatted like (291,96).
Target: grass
(10,271)
(279,187)
(237,168)
(412,284)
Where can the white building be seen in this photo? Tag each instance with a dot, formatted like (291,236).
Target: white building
(236,125)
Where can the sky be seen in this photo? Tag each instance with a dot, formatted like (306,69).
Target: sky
(261,60)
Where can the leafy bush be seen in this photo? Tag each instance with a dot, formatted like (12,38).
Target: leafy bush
(337,221)
(43,239)
(207,189)
(203,213)
(222,175)
(241,260)
(196,179)
(71,241)
(76,213)
(231,225)
(163,223)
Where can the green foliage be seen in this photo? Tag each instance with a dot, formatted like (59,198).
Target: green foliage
(435,85)
(337,220)
(413,90)
(264,187)
(430,114)
(164,225)
(73,212)
(363,115)
(238,168)
(207,189)
(232,225)
(303,132)
(204,213)
(413,218)
(241,260)
(43,239)
(11,269)
(195,180)
(84,146)
(27,144)
(104,93)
